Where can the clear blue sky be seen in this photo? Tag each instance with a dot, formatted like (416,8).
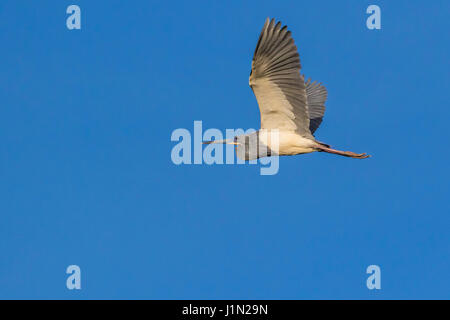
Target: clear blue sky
(86,176)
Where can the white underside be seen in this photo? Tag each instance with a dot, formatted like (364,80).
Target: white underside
(286,142)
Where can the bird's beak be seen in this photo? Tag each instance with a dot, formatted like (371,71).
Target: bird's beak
(227,141)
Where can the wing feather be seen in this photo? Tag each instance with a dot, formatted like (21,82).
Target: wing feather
(317,95)
(276,81)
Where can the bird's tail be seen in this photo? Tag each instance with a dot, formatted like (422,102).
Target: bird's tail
(325,148)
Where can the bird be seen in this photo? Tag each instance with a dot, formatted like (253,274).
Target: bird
(291,108)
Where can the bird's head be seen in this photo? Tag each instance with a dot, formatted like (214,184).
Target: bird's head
(247,146)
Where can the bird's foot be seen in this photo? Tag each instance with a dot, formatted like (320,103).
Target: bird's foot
(356,155)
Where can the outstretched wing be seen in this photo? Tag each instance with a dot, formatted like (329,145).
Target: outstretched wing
(276,81)
(316,95)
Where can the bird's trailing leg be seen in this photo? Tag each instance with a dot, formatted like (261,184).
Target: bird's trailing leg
(343,153)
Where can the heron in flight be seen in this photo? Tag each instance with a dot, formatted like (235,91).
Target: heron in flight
(288,105)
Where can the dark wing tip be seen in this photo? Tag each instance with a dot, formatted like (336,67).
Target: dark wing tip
(269,25)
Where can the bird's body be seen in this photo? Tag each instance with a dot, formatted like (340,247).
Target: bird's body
(291,109)
(289,142)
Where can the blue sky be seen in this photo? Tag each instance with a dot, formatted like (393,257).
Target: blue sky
(86,176)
